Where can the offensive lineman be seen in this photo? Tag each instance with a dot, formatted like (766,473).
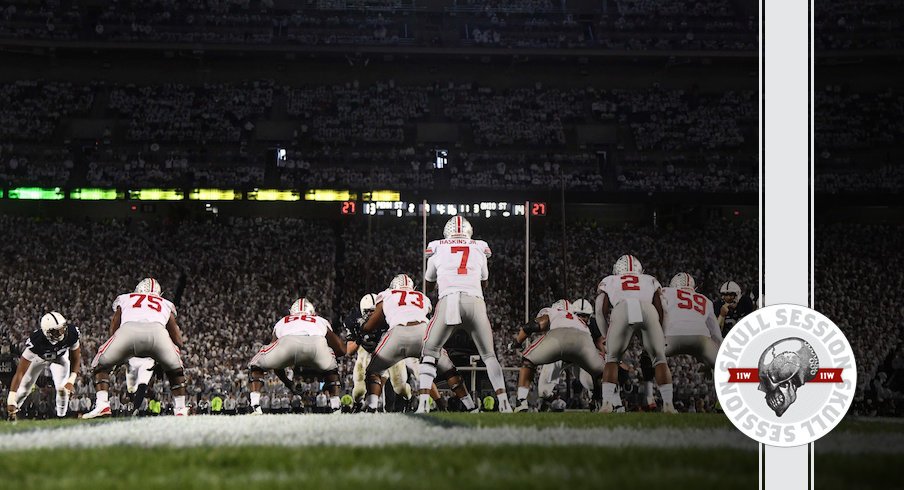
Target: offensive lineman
(458,265)
(551,374)
(364,345)
(405,311)
(54,345)
(690,326)
(630,300)
(300,339)
(566,338)
(144,325)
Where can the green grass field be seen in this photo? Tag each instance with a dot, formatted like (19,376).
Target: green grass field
(399,451)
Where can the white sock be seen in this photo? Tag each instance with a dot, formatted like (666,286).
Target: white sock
(494,372)
(178,402)
(468,402)
(102,397)
(335,403)
(255,397)
(522,393)
(667,392)
(609,394)
(648,391)
(373,401)
(62,403)
(503,399)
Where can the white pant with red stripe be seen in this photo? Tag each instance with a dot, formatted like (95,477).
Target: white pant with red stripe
(567,344)
(305,351)
(402,342)
(139,339)
(473,318)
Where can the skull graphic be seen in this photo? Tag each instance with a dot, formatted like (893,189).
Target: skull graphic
(784,367)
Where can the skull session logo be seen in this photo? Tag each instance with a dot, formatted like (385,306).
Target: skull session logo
(803,381)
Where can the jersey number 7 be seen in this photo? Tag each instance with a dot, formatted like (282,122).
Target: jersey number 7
(463,266)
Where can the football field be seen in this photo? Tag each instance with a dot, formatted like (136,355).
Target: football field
(454,451)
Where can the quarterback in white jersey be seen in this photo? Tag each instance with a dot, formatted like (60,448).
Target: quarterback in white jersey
(690,324)
(629,302)
(566,337)
(405,311)
(300,339)
(458,265)
(143,325)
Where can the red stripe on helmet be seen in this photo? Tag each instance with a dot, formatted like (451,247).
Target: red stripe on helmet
(458,224)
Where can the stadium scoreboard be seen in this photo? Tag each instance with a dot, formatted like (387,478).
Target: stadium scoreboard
(483,209)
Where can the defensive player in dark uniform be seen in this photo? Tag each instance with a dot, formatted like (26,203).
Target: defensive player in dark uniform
(731,306)
(54,345)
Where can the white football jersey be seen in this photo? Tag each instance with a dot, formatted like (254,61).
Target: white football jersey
(402,306)
(458,265)
(687,312)
(559,318)
(310,325)
(641,287)
(146,308)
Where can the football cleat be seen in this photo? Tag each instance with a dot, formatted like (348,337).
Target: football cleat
(606,407)
(182,412)
(505,406)
(149,285)
(522,407)
(302,306)
(627,264)
(668,408)
(101,410)
(458,227)
(257,411)
(682,280)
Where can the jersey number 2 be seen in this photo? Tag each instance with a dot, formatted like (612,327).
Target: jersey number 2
(629,283)
(463,266)
(153,301)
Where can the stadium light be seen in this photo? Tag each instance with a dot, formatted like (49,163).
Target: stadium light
(382,196)
(329,195)
(273,195)
(215,195)
(95,194)
(37,193)
(156,195)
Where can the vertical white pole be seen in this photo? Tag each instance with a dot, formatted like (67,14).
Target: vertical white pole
(526,261)
(424,248)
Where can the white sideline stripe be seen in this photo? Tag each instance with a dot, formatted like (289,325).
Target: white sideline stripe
(377,430)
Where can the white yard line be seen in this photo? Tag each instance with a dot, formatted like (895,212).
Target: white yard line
(366,430)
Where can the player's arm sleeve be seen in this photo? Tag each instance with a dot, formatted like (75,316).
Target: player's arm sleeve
(430,273)
(600,313)
(484,270)
(30,356)
(715,330)
(485,248)
(430,250)
(116,303)
(594,329)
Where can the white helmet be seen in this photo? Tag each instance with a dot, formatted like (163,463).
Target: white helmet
(368,304)
(54,327)
(563,304)
(302,306)
(458,227)
(627,264)
(582,307)
(682,280)
(401,281)
(730,287)
(148,285)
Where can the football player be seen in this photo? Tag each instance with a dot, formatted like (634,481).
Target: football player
(405,311)
(551,374)
(732,306)
(138,377)
(144,325)
(300,339)
(630,302)
(54,345)
(689,324)
(566,337)
(458,266)
(364,344)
